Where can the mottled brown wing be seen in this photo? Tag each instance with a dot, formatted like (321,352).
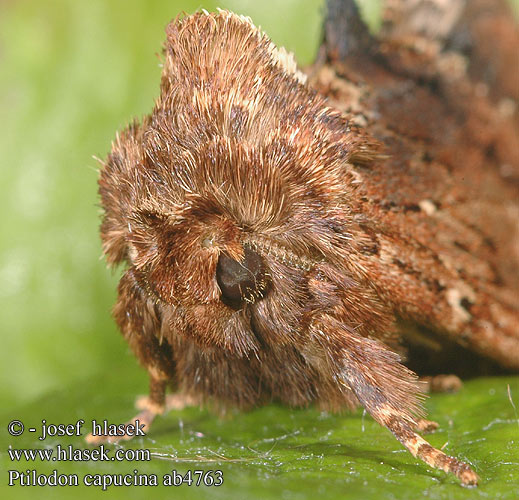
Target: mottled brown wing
(440,213)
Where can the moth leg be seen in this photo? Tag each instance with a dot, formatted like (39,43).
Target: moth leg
(176,401)
(153,406)
(426,426)
(388,390)
(442,383)
(140,324)
(421,449)
(438,384)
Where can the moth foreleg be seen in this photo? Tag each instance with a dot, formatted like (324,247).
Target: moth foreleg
(388,390)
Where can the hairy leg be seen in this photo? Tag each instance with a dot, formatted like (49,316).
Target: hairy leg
(389,391)
(140,325)
(442,383)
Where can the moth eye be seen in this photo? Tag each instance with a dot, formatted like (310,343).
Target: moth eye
(241,281)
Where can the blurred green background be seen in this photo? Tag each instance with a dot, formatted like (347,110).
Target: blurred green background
(71,74)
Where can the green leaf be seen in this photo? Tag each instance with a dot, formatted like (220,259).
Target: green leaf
(277,452)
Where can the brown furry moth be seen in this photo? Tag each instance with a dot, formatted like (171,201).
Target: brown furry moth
(274,247)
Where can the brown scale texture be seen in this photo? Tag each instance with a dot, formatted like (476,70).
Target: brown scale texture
(442,209)
(373,211)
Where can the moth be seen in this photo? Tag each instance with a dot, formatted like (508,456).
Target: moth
(290,239)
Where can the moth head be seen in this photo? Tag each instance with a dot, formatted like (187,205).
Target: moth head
(232,199)
(195,256)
